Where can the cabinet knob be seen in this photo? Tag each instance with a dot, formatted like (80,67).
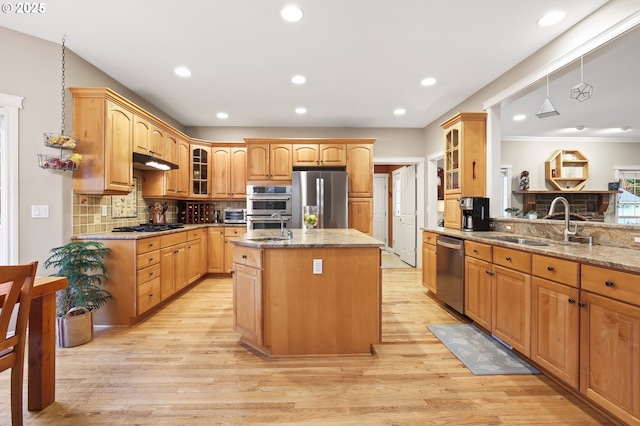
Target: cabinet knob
(608,283)
(150,294)
(150,274)
(151,259)
(475,250)
(488,272)
(508,259)
(550,268)
(582,304)
(572,300)
(244,256)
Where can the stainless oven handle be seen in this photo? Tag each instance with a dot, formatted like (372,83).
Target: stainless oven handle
(268,198)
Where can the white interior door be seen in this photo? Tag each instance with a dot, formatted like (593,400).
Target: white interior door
(396,201)
(380,208)
(408,214)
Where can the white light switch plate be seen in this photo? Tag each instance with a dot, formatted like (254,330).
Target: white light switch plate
(317,266)
(39,212)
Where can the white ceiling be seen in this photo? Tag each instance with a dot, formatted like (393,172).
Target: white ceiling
(362,58)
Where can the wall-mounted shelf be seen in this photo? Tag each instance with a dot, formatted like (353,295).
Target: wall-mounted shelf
(529,197)
(567,170)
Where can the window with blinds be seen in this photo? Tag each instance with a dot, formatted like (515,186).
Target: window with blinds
(628,205)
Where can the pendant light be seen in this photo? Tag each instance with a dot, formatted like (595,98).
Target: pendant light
(547,109)
(582,91)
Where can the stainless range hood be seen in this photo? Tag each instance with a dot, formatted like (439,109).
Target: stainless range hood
(149,162)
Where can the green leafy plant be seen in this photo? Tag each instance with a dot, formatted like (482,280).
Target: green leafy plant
(513,210)
(82,262)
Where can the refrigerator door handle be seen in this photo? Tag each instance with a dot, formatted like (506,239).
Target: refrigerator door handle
(320,201)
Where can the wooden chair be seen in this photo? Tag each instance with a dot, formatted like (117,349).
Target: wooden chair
(16,283)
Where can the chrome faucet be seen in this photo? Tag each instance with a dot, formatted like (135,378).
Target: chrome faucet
(566,231)
(289,233)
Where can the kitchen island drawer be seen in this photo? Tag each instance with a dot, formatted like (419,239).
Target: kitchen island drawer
(196,234)
(623,286)
(429,237)
(147,259)
(235,231)
(247,256)
(149,273)
(146,245)
(554,269)
(514,259)
(148,295)
(478,250)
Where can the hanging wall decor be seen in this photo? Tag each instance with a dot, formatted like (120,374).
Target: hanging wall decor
(582,91)
(547,109)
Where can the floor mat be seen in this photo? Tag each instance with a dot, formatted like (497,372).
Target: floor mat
(478,351)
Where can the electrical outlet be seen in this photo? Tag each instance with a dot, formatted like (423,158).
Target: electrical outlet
(97,218)
(508,228)
(104,210)
(39,212)
(636,239)
(317,266)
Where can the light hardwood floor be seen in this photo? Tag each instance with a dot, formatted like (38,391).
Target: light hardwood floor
(184,366)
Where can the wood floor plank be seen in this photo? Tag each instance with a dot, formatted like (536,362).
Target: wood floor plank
(185,366)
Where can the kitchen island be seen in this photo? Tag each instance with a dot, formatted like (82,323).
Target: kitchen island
(317,293)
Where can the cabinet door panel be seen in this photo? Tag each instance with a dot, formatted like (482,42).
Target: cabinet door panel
(555,329)
(215,255)
(610,355)
(239,173)
(119,142)
(478,295)
(360,170)
(247,303)
(512,308)
(221,175)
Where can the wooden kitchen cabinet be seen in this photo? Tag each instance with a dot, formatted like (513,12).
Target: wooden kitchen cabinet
(555,331)
(173,263)
(610,341)
(268,161)
(158,142)
(511,313)
(319,155)
(464,162)
(104,126)
(230,234)
(148,275)
(141,135)
(196,253)
(360,170)
(429,261)
(200,171)
(215,250)
(360,211)
(478,293)
(248,311)
(229,172)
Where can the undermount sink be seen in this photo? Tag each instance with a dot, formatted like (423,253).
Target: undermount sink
(519,240)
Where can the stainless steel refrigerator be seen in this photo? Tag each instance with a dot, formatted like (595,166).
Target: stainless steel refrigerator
(325,189)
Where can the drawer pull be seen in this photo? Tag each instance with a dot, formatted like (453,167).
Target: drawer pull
(488,272)
(608,283)
(244,256)
(150,294)
(475,250)
(151,259)
(508,259)
(582,304)
(150,274)
(572,301)
(550,268)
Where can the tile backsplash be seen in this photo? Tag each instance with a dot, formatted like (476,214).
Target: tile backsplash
(88,218)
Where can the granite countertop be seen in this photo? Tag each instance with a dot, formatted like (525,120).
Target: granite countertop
(315,238)
(613,257)
(140,235)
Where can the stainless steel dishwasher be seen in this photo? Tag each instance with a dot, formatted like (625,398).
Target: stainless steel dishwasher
(450,272)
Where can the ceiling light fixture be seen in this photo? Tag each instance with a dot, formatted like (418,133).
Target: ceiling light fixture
(625,128)
(291,13)
(551,18)
(157,165)
(519,117)
(582,91)
(399,111)
(222,115)
(301,110)
(580,127)
(429,81)
(182,72)
(547,109)
(298,79)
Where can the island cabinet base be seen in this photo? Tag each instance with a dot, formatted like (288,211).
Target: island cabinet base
(335,312)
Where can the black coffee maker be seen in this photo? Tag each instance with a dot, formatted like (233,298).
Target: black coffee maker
(475,214)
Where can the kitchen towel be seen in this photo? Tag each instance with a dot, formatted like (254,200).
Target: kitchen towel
(478,351)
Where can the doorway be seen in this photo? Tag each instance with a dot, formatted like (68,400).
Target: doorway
(380,208)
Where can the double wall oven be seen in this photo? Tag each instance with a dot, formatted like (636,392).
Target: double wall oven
(263,202)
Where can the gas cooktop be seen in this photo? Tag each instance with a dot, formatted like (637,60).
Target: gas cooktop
(149,227)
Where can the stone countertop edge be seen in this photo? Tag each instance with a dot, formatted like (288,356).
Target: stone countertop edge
(316,238)
(140,235)
(612,257)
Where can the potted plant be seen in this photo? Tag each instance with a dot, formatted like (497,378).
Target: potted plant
(532,214)
(514,211)
(82,262)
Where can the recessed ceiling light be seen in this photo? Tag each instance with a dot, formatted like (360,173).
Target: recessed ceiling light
(429,81)
(519,117)
(182,72)
(222,115)
(399,111)
(551,18)
(301,110)
(291,13)
(298,79)
(580,127)
(625,128)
